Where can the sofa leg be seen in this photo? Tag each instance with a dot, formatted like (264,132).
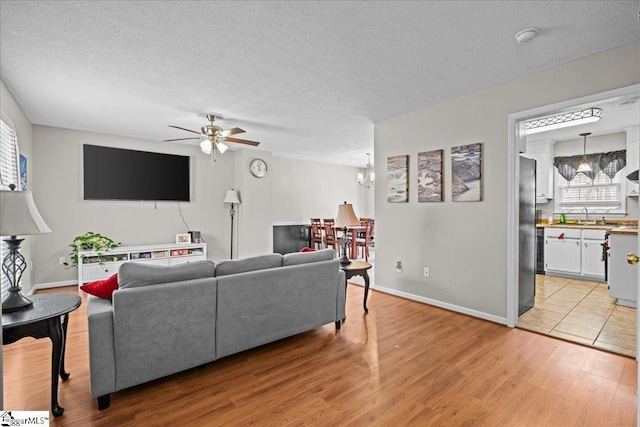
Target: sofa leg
(104,402)
(338,324)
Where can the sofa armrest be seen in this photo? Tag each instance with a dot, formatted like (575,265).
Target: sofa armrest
(342,296)
(101,346)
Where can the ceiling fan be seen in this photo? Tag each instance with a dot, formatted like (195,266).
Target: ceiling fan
(214,136)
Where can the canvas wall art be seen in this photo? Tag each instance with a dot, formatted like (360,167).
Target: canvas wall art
(398,179)
(430,176)
(23,173)
(466,173)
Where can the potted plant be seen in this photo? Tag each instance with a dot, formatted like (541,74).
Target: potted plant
(90,241)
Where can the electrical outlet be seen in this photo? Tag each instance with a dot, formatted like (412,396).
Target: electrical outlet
(426,272)
(398,266)
(61,260)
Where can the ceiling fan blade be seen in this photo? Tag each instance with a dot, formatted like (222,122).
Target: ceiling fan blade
(232,131)
(242,141)
(188,130)
(178,139)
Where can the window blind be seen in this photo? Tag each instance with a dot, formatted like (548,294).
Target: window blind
(603,192)
(8,175)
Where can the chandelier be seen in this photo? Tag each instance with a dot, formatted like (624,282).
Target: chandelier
(366,180)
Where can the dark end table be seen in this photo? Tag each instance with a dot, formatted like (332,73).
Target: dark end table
(358,268)
(42,320)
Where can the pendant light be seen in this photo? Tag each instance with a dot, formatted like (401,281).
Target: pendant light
(584,165)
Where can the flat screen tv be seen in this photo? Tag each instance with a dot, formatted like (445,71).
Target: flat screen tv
(121,174)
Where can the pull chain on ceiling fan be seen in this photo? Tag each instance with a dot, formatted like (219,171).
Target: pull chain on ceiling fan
(213,137)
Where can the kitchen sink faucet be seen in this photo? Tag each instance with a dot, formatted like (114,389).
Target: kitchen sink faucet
(586,212)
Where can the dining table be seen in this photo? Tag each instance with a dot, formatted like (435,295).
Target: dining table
(352,231)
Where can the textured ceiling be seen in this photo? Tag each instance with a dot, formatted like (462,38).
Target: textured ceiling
(307,79)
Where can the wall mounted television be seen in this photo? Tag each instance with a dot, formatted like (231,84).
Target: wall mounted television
(122,174)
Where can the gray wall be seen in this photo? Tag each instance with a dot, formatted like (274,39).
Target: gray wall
(465,243)
(319,189)
(57,178)
(23,129)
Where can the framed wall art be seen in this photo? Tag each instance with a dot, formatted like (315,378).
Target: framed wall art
(398,179)
(23,173)
(430,176)
(466,173)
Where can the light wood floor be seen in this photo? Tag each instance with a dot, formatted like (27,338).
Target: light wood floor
(404,363)
(582,312)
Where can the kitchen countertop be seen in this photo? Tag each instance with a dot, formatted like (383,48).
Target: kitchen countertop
(631,230)
(582,226)
(613,228)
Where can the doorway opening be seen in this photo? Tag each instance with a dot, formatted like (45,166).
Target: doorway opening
(569,293)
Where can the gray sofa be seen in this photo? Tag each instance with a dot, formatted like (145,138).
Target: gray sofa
(163,320)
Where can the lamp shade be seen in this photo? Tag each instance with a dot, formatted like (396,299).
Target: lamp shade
(19,215)
(346,216)
(232,197)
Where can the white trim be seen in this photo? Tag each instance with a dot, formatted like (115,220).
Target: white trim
(6,119)
(51,285)
(513,177)
(440,304)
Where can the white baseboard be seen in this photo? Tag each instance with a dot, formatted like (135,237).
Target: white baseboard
(52,285)
(445,305)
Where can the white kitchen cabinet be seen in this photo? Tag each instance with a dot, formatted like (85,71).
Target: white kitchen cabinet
(562,255)
(575,252)
(592,263)
(633,152)
(623,276)
(542,153)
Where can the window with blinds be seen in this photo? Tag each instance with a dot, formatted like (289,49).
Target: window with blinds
(603,194)
(8,175)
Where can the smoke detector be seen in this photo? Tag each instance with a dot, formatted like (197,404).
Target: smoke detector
(525,35)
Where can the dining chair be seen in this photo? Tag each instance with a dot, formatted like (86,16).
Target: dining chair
(316,234)
(367,240)
(330,238)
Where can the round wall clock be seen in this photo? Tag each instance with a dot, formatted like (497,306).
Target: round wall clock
(258,168)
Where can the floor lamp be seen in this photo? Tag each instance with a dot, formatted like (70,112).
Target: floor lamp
(18,217)
(346,218)
(232,198)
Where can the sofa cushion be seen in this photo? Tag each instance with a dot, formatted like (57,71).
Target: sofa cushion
(224,268)
(102,288)
(306,257)
(134,274)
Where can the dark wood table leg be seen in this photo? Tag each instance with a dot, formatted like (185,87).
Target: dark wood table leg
(366,290)
(63,373)
(56,335)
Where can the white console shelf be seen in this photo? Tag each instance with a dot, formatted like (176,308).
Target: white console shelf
(89,268)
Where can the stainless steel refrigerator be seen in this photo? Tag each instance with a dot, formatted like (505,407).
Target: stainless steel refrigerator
(527,233)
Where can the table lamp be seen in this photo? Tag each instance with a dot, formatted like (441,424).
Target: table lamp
(346,218)
(232,199)
(18,216)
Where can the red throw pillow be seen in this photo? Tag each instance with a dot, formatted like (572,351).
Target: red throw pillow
(307,250)
(102,288)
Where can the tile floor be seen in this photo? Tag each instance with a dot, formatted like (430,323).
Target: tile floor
(582,312)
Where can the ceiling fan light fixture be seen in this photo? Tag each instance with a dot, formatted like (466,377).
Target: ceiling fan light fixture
(221,147)
(205,146)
